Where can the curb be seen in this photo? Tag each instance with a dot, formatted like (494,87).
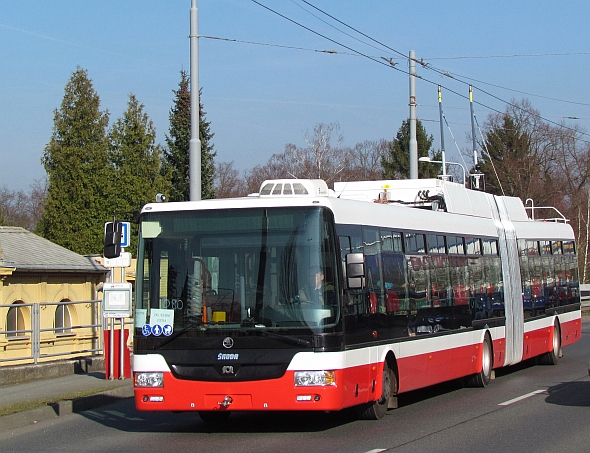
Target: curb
(65,407)
(19,374)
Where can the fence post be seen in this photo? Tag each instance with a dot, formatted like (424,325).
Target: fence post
(36,334)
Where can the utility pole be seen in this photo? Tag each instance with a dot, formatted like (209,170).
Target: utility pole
(194,157)
(413,141)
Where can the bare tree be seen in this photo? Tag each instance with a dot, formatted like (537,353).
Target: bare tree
(364,161)
(519,159)
(573,170)
(320,159)
(228,183)
(21,209)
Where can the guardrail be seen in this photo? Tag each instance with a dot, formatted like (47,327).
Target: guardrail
(585,294)
(48,330)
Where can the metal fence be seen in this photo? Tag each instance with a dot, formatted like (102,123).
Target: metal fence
(28,342)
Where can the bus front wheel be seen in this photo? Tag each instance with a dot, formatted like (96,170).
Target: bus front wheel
(376,410)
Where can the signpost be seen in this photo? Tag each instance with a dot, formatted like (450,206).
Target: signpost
(117,297)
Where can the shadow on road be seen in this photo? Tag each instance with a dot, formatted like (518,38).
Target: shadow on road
(124,417)
(575,394)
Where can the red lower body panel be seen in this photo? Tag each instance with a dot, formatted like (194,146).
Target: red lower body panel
(354,386)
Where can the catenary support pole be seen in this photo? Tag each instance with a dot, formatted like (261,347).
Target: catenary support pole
(195,142)
(413,141)
(476,175)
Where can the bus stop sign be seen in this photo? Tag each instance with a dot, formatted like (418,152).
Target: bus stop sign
(125,234)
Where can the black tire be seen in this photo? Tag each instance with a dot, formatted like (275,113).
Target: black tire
(214,417)
(550,358)
(483,378)
(376,410)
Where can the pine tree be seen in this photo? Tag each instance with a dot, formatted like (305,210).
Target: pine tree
(78,171)
(136,159)
(396,160)
(176,157)
(207,156)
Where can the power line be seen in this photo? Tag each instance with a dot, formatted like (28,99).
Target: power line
(278,45)
(421,62)
(458,76)
(319,34)
(426,65)
(332,26)
(357,31)
(466,57)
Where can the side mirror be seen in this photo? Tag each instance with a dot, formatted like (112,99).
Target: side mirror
(112,239)
(355,270)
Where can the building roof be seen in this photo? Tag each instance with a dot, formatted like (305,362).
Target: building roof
(26,252)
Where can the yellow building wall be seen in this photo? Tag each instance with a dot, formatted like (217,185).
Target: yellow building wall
(45,290)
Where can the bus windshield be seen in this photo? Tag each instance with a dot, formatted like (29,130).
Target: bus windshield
(267,268)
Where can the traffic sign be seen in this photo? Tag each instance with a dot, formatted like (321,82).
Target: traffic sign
(125,234)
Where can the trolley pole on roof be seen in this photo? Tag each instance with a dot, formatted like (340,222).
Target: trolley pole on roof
(413,141)
(442,135)
(476,174)
(194,157)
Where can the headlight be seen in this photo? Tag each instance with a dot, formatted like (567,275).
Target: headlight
(149,379)
(311,378)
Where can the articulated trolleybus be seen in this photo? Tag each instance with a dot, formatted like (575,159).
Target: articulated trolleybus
(303,298)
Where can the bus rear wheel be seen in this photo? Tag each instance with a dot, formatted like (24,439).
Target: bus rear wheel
(550,358)
(376,410)
(483,378)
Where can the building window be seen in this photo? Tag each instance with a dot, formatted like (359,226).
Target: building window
(63,319)
(15,321)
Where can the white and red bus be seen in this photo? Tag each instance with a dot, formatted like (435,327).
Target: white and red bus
(304,298)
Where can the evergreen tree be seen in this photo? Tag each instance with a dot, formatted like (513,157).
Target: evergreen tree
(396,160)
(136,159)
(176,156)
(207,156)
(78,171)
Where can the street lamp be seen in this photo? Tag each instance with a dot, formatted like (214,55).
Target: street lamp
(444,173)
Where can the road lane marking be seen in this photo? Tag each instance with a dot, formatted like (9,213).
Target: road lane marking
(376,450)
(520,398)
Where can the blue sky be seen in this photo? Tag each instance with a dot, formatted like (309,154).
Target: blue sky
(260,97)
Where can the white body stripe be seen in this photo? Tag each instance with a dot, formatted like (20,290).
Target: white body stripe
(150,362)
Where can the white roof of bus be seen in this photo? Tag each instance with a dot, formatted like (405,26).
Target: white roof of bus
(468,211)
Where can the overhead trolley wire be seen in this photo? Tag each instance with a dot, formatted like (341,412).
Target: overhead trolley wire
(332,26)
(323,36)
(424,64)
(459,76)
(330,51)
(465,57)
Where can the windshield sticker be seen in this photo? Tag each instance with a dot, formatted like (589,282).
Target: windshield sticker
(161,317)
(167,330)
(140,317)
(150,229)
(146,330)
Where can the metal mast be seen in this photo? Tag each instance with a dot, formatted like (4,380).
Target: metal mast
(413,141)
(194,158)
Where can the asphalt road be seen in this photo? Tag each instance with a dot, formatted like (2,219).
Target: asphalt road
(527,408)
